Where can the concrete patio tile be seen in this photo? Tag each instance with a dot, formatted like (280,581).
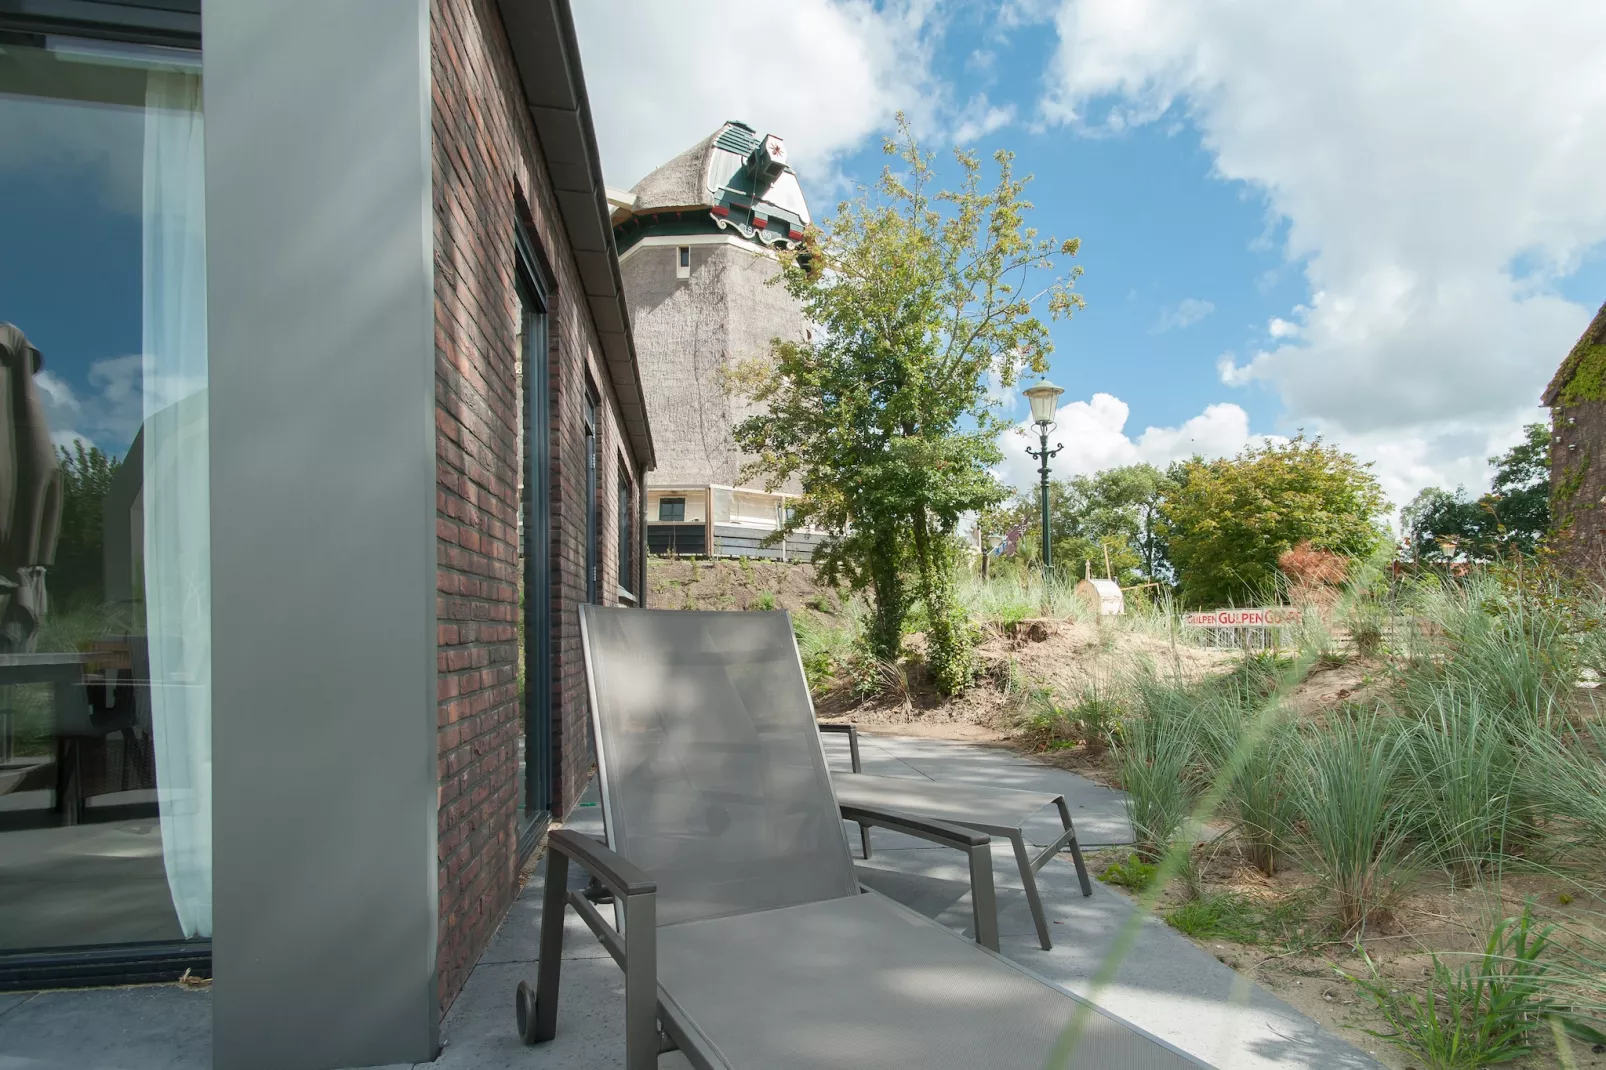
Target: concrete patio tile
(481,1034)
(11,1000)
(1098,812)
(1164,984)
(158,1027)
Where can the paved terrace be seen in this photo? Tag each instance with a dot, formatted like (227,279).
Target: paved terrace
(1165,984)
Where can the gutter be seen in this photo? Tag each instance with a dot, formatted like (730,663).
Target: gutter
(547,53)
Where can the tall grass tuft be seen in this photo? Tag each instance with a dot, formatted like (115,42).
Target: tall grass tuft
(1257,796)
(1568,778)
(1354,831)
(1514,650)
(1467,784)
(1155,758)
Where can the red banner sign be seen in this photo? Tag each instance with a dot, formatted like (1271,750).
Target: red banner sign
(1265,617)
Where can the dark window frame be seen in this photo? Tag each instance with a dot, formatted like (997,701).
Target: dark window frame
(625,566)
(173,23)
(534,294)
(680,508)
(593,430)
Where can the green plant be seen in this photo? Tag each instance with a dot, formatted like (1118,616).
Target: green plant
(1154,772)
(1366,629)
(1353,829)
(765,599)
(1134,873)
(1472,799)
(1261,801)
(1229,916)
(1568,777)
(1479,1015)
(1093,720)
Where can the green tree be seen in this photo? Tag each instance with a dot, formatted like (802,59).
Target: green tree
(1229,520)
(883,415)
(1441,526)
(1117,510)
(1519,493)
(79,570)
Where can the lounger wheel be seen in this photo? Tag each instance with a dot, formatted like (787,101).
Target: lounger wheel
(524,1007)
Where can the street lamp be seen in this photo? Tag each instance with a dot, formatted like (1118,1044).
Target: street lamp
(1043,397)
(989,547)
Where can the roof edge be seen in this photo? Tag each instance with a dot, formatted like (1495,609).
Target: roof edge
(546,53)
(1594,334)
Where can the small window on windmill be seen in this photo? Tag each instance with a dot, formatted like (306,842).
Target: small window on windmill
(683,262)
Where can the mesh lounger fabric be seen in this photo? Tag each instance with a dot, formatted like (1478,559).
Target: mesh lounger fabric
(863,983)
(713,778)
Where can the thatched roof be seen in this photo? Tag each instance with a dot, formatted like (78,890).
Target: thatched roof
(1587,359)
(680,183)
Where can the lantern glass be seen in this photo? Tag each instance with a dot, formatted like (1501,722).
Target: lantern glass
(1043,397)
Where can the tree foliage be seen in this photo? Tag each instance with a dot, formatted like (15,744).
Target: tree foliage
(1229,520)
(1441,526)
(79,569)
(883,415)
(1116,510)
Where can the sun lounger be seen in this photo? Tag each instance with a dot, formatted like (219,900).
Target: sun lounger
(744,937)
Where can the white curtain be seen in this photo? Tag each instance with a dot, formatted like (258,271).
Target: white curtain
(178,589)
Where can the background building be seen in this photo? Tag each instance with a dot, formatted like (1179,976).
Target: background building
(697,240)
(1577,401)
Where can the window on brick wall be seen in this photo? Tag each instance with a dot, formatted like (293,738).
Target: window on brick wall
(534,615)
(627,531)
(593,513)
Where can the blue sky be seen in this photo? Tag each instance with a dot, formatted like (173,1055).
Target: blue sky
(1372,221)
(70,271)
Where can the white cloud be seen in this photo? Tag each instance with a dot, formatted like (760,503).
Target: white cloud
(1183,314)
(1413,153)
(823,74)
(1229,371)
(1094,435)
(979,118)
(108,416)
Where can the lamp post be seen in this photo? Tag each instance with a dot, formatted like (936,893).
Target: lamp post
(1043,396)
(989,547)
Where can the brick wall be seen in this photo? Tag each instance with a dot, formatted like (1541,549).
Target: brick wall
(488,178)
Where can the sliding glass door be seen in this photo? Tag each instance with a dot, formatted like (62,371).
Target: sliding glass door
(105,573)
